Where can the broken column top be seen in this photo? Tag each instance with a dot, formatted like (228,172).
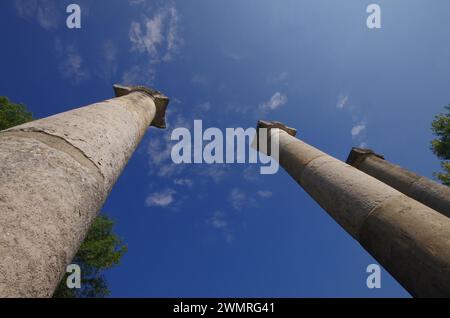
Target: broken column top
(276,124)
(161,101)
(357,155)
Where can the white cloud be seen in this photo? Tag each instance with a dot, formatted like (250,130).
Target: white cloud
(358,129)
(159,150)
(174,41)
(184,182)
(109,52)
(216,172)
(237,199)
(108,64)
(47,13)
(26,8)
(280,78)
(136,2)
(342,101)
(219,222)
(359,124)
(277,100)
(139,75)
(161,199)
(157,36)
(240,109)
(71,65)
(265,194)
(150,38)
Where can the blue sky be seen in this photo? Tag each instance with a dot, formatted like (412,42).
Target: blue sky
(225,230)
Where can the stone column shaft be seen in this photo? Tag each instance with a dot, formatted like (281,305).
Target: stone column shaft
(411,240)
(424,190)
(55,175)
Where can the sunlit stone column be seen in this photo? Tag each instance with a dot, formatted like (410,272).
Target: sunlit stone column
(424,190)
(411,240)
(55,175)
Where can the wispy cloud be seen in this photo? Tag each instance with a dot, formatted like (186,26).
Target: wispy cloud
(265,194)
(219,222)
(342,101)
(237,199)
(184,182)
(280,78)
(139,75)
(358,129)
(215,172)
(240,109)
(71,64)
(159,150)
(136,2)
(277,100)
(47,13)
(174,41)
(108,66)
(157,36)
(155,39)
(240,199)
(150,38)
(161,199)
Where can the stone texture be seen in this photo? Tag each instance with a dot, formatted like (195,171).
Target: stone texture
(55,175)
(424,190)
(411,240)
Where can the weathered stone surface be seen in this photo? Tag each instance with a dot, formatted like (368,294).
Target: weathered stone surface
(347,194)
(413,244)
(55,175)
(48,199)
(411,240)
(106,133)
(289,150)
(422,189)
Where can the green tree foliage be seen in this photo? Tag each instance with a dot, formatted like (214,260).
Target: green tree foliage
(101,249)
(12,114)
(441,145)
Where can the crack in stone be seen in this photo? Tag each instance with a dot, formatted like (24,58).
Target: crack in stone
(60,144)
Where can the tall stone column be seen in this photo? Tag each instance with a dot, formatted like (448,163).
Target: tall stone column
(55,175)
(411,240)
(424,190)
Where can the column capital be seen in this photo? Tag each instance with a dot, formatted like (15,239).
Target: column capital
(161,101)
(276,124)
(357,155)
